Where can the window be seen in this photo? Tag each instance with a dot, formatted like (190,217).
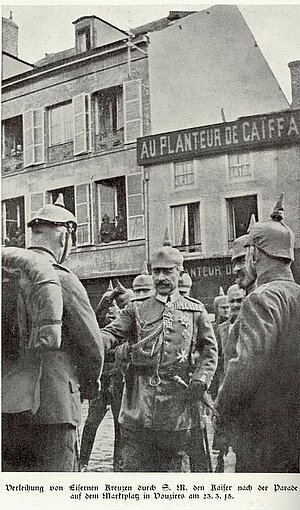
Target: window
(120,209)
(239,166)
(83,39)
(184,173)
(12,137)
(109,117)
(77,199)
(13,222)
(239,211)
(186,227)
(112,210)
(61,124)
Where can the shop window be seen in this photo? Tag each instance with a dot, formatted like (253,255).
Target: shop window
(60,124)
(186,227)
(13,222)
(239,166)
(184,173)
(239,211)
(120,206)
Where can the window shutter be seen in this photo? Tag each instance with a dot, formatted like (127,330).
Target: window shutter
(38,136)
(83,204)
(132,93)
(81,116)
(135,207)
(33,133)
(28,138)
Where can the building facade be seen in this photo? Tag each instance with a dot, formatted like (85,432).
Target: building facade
(205,183)
(70,125)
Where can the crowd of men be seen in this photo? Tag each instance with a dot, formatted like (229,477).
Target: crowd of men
(152,354)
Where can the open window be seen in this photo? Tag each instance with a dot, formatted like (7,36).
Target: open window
(77,199)
(120,209)
(239,211)
(109,119)
(13,222)
(12,144)
(186,227)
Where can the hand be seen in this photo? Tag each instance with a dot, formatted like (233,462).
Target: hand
(195,392)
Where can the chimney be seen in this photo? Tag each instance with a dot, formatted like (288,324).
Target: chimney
(295,82)
(10,36)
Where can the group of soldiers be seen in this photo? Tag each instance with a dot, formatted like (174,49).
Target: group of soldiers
(152,353)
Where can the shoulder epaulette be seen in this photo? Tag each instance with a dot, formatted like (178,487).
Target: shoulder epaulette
(259,290)
(187,303)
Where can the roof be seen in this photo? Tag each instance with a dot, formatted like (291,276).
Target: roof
(49,58)
(16,58)
(160,24)
(153,26)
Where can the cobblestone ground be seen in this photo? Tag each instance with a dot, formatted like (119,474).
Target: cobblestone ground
(102,455)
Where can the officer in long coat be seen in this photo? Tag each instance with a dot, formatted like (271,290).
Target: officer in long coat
(42,436)
(259,399)
(171,356)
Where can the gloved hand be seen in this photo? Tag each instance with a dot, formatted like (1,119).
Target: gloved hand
(195,392)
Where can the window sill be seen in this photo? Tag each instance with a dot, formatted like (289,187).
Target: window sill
(108,246)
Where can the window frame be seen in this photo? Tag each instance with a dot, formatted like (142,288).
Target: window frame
(240,155)
(188,247)
(184,174)
(63,140)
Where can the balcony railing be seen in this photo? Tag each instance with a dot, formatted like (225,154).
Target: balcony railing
(109,140)
(13,163)
(190,248)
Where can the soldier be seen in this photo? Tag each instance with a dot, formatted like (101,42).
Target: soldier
(167,336)
(143,283)
(185,284)
(235,297)
(238,259)
(221,309)
(259,399)
(48,428)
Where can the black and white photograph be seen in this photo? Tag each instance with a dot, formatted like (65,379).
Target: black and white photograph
(150,195)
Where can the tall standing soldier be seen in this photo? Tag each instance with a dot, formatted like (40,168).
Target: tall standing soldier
(171,356)
(67,375)
(259,399)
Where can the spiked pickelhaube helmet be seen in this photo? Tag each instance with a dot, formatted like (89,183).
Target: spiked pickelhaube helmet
(220,299)
(273,237)
(143,280)
(167,256)
(56,214)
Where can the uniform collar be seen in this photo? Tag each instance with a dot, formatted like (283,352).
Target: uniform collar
(44,251)
(170,298)
(274,273)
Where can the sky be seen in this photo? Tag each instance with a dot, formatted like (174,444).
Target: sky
(48,29)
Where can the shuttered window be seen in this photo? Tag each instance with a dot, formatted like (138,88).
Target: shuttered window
(132,93)
(83,204)
(33,132)
(82,119)
(135,207)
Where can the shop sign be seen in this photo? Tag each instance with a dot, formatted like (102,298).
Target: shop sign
(247,133)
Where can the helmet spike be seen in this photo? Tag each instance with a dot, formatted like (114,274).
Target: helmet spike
(60,201)
(277,214)
(145,268)
(167,240)
(221,292)
(251,222)
(110,286)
